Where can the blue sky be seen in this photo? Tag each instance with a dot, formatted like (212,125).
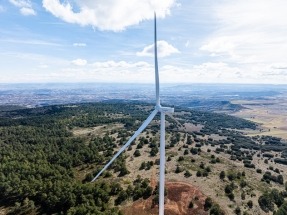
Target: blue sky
(200,41)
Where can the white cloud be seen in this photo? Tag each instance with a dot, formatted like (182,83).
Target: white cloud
(25,6)
(248,32)
(119,64)
(103,71)
(27,11)
(121,71)
(30,42)
(219,45)
(51,69)
(21,3)
(163,48)
(79,62)
(108,14)
(279,66)
(211,72)
(143,72)
(79,44)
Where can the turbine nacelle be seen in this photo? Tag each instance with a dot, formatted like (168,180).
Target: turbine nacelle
(161,109)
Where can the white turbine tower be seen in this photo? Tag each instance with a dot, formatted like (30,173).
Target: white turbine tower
(163,111)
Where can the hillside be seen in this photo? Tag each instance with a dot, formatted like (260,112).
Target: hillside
(48,156)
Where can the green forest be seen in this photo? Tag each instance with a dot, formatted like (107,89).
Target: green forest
(40,157)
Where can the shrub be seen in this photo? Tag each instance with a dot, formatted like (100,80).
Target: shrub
(143,166)
(231,176)
(208,203)
(208,169)
(153,151)
(198,173)
(277,197)
(237,210)
(194,151)
(228,189)
(282,210)
(250,204)
(121,197)
(213,161)
(187,174)
(148,192)
(280,179)
(216,210)
(137,153)
(201,165)
(222,175)
(266,203)
(243,184)
(231,196)
(178,169)
(204,173)
(259,171)
(123,171)
(243,195)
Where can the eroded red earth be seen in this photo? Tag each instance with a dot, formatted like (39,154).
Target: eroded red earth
(179,196)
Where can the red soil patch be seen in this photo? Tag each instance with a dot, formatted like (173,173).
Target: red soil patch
(179,195)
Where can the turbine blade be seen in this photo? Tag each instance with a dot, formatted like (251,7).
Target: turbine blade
(156,64)
(143,126)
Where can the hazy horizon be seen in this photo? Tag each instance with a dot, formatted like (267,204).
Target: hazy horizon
(141,83)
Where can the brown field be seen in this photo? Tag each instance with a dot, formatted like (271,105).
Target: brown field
(271,114)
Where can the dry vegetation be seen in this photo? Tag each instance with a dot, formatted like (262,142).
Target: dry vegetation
(270,114)
(210,185)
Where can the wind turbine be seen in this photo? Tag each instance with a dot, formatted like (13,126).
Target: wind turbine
(163,111)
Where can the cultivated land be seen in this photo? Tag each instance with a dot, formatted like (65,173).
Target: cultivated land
(270,114)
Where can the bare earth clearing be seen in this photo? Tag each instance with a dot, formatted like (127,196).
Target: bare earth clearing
(179,195)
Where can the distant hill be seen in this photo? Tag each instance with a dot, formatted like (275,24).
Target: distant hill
(213,105)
